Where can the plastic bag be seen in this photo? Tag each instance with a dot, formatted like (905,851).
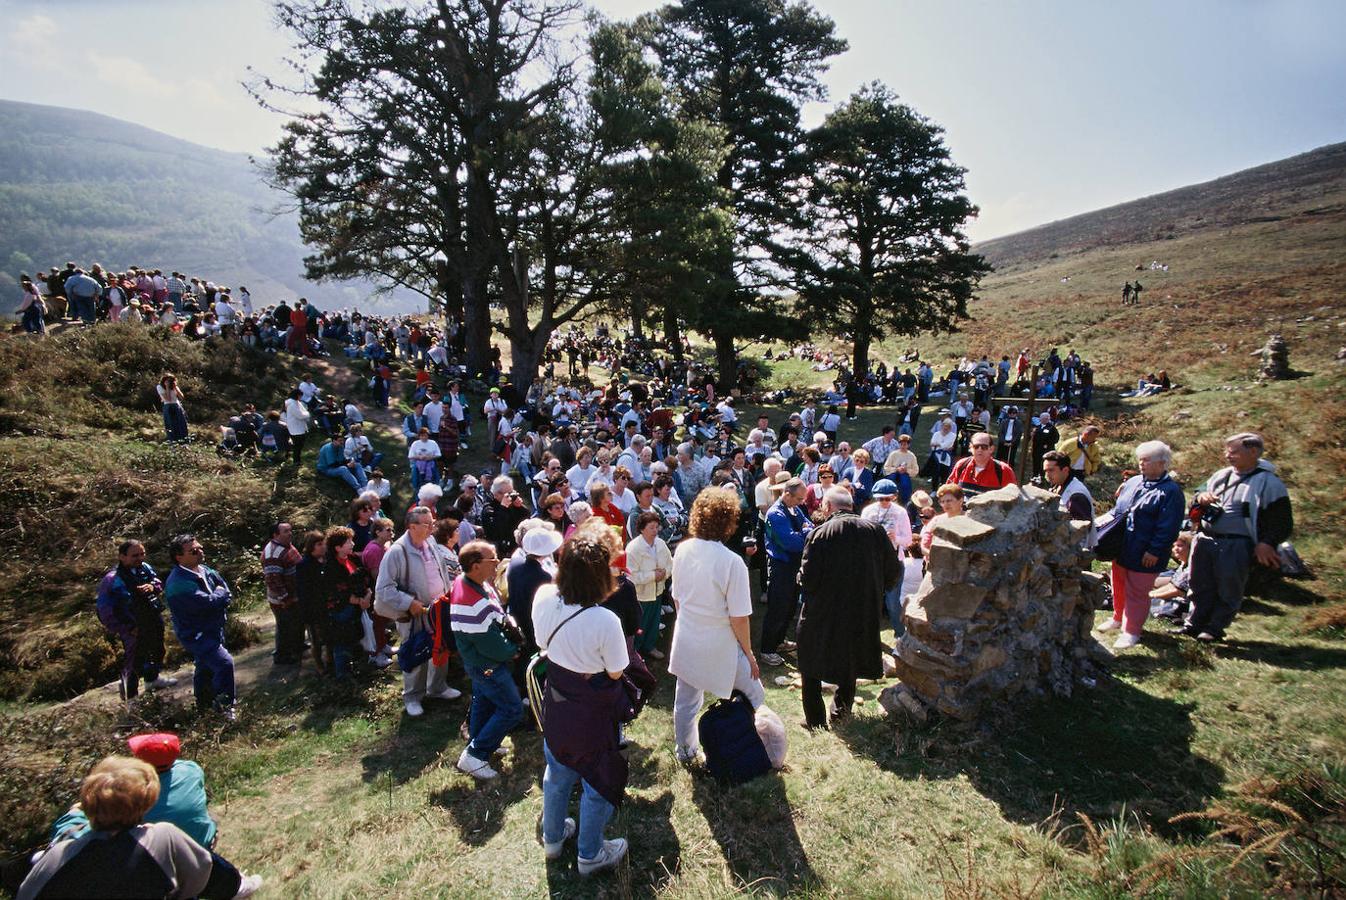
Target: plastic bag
(367,640)
(771,730)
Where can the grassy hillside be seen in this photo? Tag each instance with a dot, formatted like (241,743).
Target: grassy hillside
(76,185)
(331,792)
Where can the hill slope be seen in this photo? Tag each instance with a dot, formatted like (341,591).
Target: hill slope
(1310,184)
(81,186)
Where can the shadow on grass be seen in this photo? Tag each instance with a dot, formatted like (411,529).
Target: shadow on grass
(1283,656)
(756,832)
(478,809)
(1102,750)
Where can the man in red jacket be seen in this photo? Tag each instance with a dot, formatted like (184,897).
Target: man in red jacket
(981,471)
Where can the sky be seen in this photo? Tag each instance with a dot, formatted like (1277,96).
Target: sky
(1054,108)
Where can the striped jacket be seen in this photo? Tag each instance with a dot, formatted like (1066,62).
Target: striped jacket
(477,620)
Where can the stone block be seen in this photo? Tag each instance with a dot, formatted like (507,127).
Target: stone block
(963,531)
(951,600)
(925,684)
(990,657)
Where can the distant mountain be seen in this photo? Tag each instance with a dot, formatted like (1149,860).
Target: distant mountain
(1309,184)
(80,186)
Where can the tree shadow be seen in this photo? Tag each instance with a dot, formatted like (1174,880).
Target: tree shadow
(1104,750)
(755,829)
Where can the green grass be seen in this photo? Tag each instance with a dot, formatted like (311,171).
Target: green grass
(336,794)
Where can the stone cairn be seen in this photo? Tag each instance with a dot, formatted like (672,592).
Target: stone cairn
(1275,359)
(1005,609)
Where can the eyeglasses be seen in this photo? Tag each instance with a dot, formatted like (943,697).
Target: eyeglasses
(981,446)
(885,499)
(827,475)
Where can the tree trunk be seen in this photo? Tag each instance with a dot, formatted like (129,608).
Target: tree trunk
(672,333)
(726,361)
(525,357)
(860,360)
(638,319)
(476,325)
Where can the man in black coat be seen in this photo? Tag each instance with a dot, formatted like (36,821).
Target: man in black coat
(848,565)
(1045,437)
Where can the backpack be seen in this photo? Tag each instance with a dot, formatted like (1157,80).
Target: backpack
(734,750)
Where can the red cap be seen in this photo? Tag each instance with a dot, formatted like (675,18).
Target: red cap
(159,750)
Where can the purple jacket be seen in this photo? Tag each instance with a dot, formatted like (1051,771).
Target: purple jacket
(579,723)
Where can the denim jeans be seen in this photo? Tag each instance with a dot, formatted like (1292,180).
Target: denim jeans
(84,307)
(175,422)
(355,477)
(496,708)
(893,602)
(558,782)
(213,680)
(782,601)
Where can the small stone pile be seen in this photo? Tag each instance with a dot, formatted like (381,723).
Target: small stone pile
(1275,359)
(1005,609)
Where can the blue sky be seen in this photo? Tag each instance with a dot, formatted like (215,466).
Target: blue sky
(1054,108)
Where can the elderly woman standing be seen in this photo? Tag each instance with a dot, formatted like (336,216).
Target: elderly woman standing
(650,562)
(1152,505)
(712,643)
(584,704)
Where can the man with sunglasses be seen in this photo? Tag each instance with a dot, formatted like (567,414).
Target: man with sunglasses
(198,599)
(981,471)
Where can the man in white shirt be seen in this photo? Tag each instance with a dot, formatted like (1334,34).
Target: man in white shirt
(307,390)
(360,450)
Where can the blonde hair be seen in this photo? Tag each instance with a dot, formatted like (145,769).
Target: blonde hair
(860,457)
(118,792)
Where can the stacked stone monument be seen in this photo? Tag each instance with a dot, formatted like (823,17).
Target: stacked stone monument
(1005,609)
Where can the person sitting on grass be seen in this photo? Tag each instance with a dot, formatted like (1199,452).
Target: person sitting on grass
(121,855)
(332,463)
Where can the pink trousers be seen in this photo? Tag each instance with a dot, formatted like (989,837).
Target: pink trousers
(1131,597)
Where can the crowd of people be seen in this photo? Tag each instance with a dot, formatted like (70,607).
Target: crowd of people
(643,520)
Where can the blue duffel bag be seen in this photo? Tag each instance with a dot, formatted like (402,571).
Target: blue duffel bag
(728,732)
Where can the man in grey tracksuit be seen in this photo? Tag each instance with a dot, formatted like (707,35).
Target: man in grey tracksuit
(412,576)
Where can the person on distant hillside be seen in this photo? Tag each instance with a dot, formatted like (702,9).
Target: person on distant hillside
(33,308)
(123,856)
(297,419)
(1126,294)
(1135,292)
(175,417)
(198,599)
(130,606)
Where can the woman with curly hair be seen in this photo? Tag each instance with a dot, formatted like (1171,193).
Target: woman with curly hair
(712,642)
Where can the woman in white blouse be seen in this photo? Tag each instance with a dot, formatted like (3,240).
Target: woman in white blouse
(712,644)
(649,561)
(941,451)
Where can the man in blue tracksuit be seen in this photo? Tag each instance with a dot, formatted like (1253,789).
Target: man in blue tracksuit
(198,599)
(786,528)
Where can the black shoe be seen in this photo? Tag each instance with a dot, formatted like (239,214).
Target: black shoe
(1183,629)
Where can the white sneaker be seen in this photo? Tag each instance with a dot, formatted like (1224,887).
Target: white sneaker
(553,849)
(688,755)
(478,769)
(666,609)
(163,681)
(772,659)
(1126,641)
(1109,625)
(414,708)
(609,856)
(379,661)
(250,885)
(447,694)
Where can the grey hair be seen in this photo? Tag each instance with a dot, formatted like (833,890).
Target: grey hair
(1155,450)
(685,448)
(429,490)
(417,514)
(1249,439)
(580,511)
(371,496)
(501,483)
(528,525)
(839,498)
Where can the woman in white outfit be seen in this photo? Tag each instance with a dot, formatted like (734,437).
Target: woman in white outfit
(712,644)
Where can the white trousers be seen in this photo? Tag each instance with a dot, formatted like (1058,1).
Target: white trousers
(687,702)
(414,682)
